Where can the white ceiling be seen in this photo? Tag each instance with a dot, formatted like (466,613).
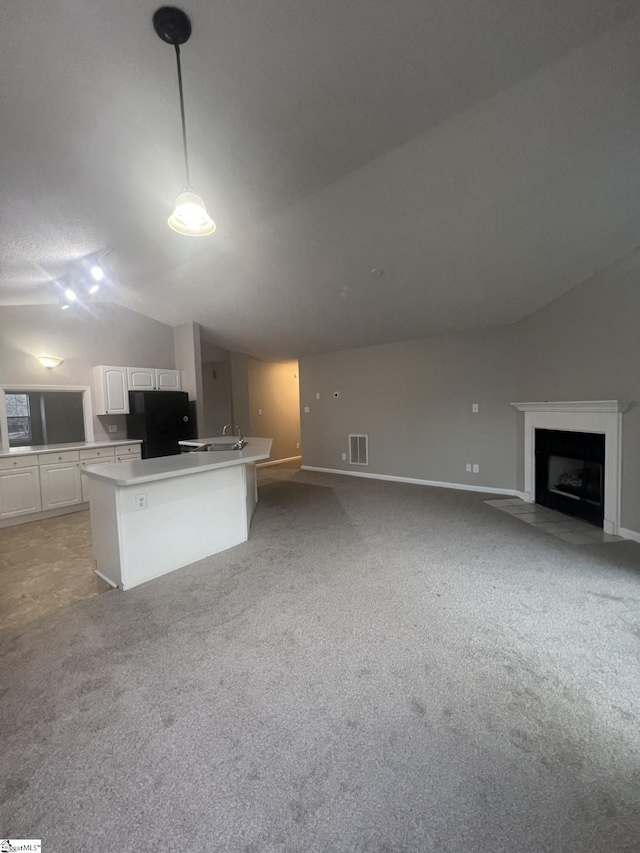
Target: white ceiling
(483,153)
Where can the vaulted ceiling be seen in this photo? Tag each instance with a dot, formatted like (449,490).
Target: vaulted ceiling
(482,153)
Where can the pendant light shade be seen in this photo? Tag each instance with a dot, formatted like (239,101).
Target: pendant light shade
(190,216)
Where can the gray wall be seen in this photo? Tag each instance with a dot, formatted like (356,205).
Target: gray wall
(414,401)
(240,408)
(274,399)
(216,387)
(101,333)
(188,357)
(586,346)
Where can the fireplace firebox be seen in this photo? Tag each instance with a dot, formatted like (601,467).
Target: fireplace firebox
(570,473)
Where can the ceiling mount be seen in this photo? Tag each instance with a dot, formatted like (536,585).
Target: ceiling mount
(172,25)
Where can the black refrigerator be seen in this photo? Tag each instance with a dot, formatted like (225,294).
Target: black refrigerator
(161,419)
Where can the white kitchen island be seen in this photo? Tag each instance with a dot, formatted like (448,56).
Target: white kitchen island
(156,515)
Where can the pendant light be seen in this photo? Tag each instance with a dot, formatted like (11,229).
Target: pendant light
(190,216)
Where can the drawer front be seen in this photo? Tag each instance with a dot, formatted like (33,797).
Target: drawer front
(98,453)
(93,463)
(128,450)
(58,456)
(127,457)
(8,463)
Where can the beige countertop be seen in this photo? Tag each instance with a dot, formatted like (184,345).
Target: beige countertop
(56,448)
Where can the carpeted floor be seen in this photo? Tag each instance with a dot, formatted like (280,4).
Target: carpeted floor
(382,668)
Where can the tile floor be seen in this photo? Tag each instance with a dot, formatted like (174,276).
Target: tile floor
(47,565)
(570,530)
(44,566)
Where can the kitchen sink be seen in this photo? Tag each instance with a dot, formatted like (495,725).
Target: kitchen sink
(237,444)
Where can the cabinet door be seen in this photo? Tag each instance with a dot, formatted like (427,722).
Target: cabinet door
(115,395)
(141,378)
(168,380)
(85,480)
(19,492)
(60,485)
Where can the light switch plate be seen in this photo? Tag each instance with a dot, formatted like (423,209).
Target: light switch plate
(475,408)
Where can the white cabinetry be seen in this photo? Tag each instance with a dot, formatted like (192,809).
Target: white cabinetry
(60,479)
(168,380)
(153,379)
(100,456)
(141,378)
(128,453)
(111,390)
(51,482)
(19,486)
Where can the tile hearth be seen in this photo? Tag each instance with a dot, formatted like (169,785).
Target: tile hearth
(563,527)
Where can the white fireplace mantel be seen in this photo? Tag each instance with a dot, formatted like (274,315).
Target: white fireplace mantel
(574,406)
(599,416)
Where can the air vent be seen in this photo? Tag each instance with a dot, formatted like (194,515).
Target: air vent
(359,449)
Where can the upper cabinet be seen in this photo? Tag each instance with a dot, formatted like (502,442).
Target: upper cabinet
(168,380)
(111,391)
(112,385)
(153,379)
(141,378)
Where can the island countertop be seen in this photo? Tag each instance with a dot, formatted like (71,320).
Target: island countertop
(165,467)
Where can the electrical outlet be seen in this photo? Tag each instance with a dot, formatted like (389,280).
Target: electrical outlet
(307,410)
(297,445)
(141,501)
(317,395)
(476,469)
(468,467)
(475,408)
(113,428)
(259,411)
(344,457)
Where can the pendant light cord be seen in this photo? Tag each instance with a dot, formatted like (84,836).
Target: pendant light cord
(184,126)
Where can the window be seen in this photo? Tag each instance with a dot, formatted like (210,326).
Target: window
(44,417)
(18,418)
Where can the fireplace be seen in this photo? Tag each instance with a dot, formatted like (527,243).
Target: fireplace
(601,419)
(569,471)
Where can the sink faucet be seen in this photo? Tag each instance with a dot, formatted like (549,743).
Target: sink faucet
(232,425)
(240,443)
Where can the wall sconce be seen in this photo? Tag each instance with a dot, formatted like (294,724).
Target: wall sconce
(49,361)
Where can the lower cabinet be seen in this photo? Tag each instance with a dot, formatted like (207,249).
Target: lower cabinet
(128,457)
(94,463)
(60,485)
(48,481)
(19,491)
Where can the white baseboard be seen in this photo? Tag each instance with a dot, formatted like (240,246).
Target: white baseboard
(42,515)
(629,534)
(440,485)
(524,496)
(277,461)
(106,579)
